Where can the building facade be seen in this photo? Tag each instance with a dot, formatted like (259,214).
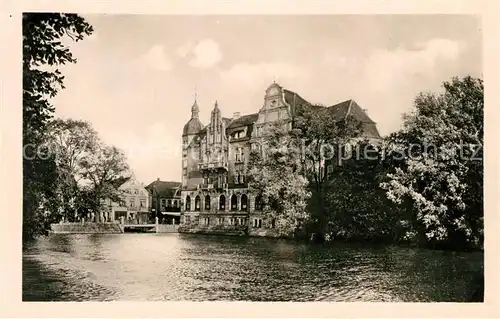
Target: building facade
(215,193)
(134,205)
(165,198)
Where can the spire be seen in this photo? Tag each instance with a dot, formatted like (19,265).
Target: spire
(195,109)
(216,107)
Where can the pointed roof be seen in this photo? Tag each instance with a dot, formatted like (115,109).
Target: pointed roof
(163,188)
(194,125)
(195,108)
(350,108)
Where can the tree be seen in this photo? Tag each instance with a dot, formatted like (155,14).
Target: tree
(323,137)
(102,171)
(71,141)
(42,49)
(359,209)
(442,172)
(275,175)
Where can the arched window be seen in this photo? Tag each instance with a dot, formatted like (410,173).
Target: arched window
(244,202)
(258,202)
(188,203)
(234,202)
(207,202)
(222,202)
(197,203)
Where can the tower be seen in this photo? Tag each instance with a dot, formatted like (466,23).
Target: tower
(189,141)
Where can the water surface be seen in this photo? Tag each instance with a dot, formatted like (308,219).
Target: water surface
(157,267)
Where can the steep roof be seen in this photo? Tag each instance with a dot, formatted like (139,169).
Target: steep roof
(244,120)
(163,188)
(340,111)
(350,107)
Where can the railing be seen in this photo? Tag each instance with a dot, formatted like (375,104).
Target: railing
(215,185)
(215,164)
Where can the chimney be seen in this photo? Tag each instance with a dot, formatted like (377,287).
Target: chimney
(236,115)
(157,179)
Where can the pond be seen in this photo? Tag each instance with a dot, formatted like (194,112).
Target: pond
(189,267)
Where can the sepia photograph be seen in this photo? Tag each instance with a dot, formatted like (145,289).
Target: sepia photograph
(252,157)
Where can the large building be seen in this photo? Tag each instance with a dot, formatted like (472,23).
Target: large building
(215,192)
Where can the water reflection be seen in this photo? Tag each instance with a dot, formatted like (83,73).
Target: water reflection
(195,267)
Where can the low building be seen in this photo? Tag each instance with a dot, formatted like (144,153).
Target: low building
(133,206)
(165,198)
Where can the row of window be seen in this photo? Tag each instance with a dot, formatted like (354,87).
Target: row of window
(132,191)
(170,202)
(232,221)
(132,203)
(222,203)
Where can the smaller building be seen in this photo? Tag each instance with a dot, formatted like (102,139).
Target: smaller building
(133,206)
(165,198)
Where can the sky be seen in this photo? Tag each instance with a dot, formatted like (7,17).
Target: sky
(135,78)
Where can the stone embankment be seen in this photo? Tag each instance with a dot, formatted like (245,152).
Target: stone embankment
(87,228)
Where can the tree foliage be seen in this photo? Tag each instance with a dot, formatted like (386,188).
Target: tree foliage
(323,136)
(442,169)
(358,208)
(275,173)
(43,49)
(102,172)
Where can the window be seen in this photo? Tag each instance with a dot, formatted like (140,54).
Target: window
(169,203)
(188,203)
(244,202)
(257,223)
(222,202)
(136,192)
(197,203)
(273,223)
(132,202)
(143,203)
(220,221)
(234,202)
(258,202)
(187,219)
(207,202)
(163,203)
(184,171)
